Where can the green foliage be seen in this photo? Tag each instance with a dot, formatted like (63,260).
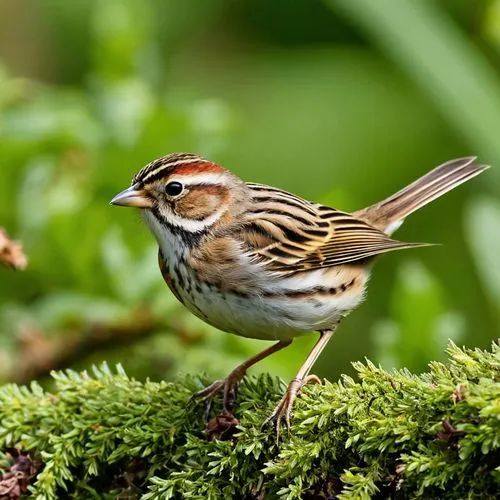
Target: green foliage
(420,323)
(343,103)
(483,225)
(439,58)
(340,108)
(389,433)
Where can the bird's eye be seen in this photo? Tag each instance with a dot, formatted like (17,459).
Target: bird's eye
(174,188)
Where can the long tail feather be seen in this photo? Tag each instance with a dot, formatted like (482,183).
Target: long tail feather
(389,214)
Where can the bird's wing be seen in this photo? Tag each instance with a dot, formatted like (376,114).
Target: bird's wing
(289,234)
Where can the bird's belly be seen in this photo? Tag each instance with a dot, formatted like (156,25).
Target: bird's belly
(274,316)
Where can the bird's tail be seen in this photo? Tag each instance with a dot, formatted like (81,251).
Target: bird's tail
(390,213)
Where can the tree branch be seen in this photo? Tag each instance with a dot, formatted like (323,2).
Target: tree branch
(40,353)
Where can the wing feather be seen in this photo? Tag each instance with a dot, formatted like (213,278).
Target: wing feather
(289,234)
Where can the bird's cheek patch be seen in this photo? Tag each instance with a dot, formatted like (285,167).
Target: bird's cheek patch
(201,202)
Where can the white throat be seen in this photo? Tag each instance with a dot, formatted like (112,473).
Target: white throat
(171,245)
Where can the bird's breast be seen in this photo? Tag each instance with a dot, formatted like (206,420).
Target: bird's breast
(278,309)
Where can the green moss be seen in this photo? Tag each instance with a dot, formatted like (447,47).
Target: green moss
(386,434)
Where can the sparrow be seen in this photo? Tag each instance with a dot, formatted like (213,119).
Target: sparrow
(263,263)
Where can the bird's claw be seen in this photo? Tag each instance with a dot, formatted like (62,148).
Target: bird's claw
(228,386)
(284,407)
(210,391)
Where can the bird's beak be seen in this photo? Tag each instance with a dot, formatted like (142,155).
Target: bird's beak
(132,197)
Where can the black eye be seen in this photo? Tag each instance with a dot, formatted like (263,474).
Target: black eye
(174,188)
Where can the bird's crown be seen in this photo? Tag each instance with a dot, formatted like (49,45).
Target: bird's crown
(179,163)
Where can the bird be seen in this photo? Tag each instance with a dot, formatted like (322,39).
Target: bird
(263,263)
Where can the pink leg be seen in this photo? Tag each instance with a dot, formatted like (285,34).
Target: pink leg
(284,407)
(231,381)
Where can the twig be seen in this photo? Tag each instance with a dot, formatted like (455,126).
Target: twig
(11,252)
(41,353)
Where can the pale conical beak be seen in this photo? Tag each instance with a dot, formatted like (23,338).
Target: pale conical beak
(132,197)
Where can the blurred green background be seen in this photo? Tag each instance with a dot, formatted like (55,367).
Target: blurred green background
(341,101)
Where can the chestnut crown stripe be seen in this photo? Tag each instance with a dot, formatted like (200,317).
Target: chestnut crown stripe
(183,163)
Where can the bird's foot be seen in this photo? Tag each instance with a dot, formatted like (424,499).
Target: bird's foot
(284,407)
(228,386)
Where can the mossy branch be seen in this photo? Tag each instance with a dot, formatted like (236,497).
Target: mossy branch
(387,434)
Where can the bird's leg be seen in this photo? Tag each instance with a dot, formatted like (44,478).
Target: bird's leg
(284,407)
(230,383)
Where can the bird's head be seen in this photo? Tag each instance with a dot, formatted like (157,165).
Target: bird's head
(184,192)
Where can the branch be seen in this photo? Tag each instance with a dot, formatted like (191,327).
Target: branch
(40,353)
(387,434)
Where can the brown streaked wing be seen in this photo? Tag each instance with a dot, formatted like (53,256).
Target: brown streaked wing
(292,234)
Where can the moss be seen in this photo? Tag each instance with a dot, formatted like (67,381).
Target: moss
(385,434)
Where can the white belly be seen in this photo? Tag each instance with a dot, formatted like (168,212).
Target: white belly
(272,317)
